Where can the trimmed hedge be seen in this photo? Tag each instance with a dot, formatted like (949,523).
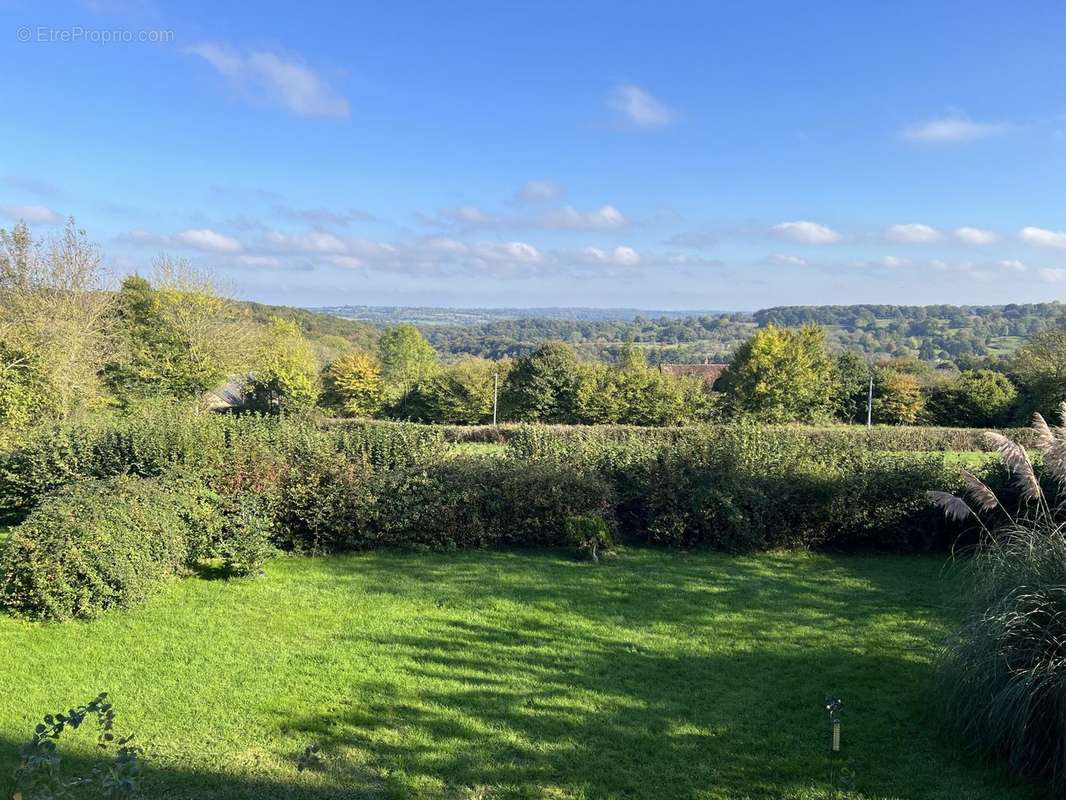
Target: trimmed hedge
(756,487)
(541,439)
(156,438)
(233,487)
(102,543)
(331,504)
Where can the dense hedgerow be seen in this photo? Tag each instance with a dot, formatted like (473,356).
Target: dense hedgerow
(304,485)
(155,438)
(333,504)
(540,439)
(754,487)
(102,543)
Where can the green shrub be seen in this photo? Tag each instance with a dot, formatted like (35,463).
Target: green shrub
(333,504)
(150,440)
(98,544)
(51,456)
(590,534)
(746,487)
(245,541)
(386,445)
(319,495)
(531,441)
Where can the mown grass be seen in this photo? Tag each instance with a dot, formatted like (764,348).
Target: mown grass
(517,675)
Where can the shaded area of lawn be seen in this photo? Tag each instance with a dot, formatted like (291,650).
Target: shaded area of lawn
(507,675)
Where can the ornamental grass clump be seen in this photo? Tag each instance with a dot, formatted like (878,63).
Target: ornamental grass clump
(1001,679)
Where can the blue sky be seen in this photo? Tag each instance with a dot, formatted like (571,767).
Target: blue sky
(667,155)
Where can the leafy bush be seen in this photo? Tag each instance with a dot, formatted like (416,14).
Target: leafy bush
(462,502)
(98,544)
(245,542)
(746,486)
(386,445)
(590,534)
(538,440)
(1001,680)
(152,439)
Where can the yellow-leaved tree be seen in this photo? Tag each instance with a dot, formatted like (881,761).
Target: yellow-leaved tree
(354,386)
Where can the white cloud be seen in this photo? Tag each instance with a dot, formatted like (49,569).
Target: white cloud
(913,233)
(31,215)
(952,128)
(619,256)
(892,261)
(345,262)
(603,218)
(788,260)
(203,239)
(470,215)
(1043,238)
(259,261)
(977,236)
(697,240)
(31,185)
(206,239)
(690,260)
(285,81)
(635,106)
(324,216)
(805,232)
(511,251)
(1012,264)
(540,191)
(1053,275)
(310,242)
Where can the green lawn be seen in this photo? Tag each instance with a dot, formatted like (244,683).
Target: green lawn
(506,675)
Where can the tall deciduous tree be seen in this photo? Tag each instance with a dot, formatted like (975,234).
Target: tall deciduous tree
(460,394)
(1039,368)
(54,316)
(976,398)
(782,375)
(353,385)
(853,383)
(177,335)
(285,375)
(898,398)
(407,359)
(543,386)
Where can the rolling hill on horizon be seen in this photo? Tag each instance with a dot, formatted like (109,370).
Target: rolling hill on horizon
(935,333)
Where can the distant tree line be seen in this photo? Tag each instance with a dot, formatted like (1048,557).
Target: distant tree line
(70,344)
(964,335)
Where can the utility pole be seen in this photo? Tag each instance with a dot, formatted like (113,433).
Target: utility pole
(495,394)
(870,403)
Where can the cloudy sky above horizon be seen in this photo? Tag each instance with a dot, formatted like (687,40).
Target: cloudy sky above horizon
(675,155)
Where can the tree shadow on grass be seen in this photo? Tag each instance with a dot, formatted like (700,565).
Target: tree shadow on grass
(535,676)
(611,723)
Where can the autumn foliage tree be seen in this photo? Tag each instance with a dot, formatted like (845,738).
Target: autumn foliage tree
(353,385)
(285,375)
(782,375)
(54,318)
(177,335)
